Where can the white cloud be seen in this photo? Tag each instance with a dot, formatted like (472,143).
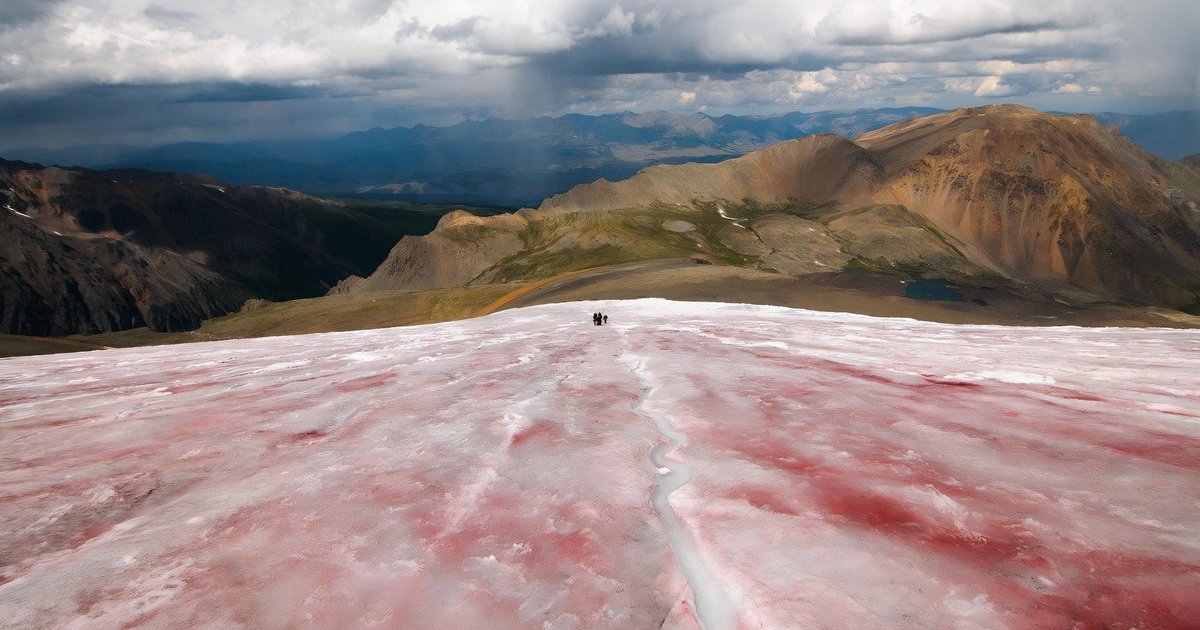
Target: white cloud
(617,22)
(995,87)
(523,57)
(274,40)
(811,83)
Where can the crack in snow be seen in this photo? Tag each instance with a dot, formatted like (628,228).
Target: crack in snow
(714,609)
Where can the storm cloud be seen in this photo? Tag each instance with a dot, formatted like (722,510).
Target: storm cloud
(80,71)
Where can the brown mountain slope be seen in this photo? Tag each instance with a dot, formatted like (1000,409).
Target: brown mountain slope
(462,247)
(1057,202)
(85,251)
(1048,199)
(815,170)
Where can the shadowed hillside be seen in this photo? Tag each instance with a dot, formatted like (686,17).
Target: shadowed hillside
(89,251)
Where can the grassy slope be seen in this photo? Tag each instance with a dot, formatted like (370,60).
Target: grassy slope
(24,346)
(563,243)
(325,314)
(560,243)
(556,244)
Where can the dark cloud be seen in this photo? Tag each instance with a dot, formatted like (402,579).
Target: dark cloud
(954,35)
(15,13)
(158,114)
(163,14)
(243,92)
(460,30)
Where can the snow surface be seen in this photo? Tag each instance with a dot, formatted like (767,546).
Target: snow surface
(688,464)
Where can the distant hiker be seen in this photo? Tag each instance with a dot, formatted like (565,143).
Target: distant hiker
(604,319)
(595,319)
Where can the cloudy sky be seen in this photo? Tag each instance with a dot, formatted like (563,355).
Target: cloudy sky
(137,71)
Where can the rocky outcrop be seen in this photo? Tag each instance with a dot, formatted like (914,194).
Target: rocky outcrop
(347,285)
(461,248)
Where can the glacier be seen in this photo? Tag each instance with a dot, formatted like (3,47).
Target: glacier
(690,465)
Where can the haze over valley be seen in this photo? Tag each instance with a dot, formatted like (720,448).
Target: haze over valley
(471,161)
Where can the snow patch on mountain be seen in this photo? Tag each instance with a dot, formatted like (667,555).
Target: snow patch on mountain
(688,465)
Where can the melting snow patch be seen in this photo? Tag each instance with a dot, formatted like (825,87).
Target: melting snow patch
(359,357)
(1004,376)
(17,212)
(979,606)
(275,367)
(721,211)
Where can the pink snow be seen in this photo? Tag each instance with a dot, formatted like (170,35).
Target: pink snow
(688,465)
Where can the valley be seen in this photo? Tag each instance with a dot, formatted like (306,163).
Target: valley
(469,161)
(1019,217)
(1086,221)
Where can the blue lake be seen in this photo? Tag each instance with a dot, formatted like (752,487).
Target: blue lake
(932,289)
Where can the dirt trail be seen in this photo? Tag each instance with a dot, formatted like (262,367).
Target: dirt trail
(526,289)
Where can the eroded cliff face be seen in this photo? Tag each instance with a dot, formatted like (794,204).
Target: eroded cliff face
(84,251)
(1059,202)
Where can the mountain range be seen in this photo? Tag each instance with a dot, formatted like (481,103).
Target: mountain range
(997,197)
(1001,210)
(472,161)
